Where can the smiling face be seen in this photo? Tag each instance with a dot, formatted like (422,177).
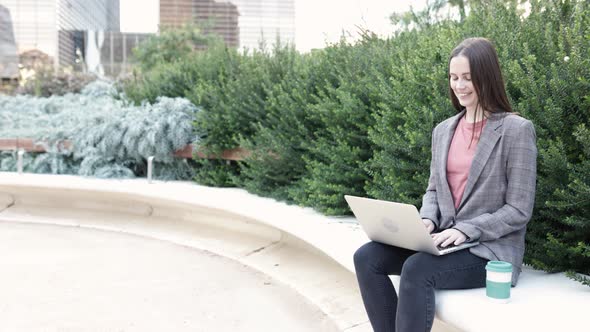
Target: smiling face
(461,84)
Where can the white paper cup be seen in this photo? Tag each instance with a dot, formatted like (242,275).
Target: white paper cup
(498,281)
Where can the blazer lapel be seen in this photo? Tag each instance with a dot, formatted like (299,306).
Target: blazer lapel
(487,141)
(447,197)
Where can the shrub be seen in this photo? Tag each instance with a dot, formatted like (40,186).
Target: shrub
(543,85)
(415,100)
(348,87)
(550,85)
(46,82)
(111,138)
(171,45)
(357,118)
(278,142)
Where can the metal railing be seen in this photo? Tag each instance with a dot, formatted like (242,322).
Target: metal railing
(23,145)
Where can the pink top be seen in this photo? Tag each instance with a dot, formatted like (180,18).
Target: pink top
(461,155)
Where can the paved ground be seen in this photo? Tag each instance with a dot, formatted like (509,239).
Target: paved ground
(56,278)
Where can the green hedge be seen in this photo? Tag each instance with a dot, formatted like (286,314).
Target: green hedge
(357,118)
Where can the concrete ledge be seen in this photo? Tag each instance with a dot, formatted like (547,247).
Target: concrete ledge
(540,302)
(310,252)
(285,242)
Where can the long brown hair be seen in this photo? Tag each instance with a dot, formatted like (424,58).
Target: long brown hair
(486,76)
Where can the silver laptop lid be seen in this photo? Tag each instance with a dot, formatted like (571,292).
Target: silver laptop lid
(396,224)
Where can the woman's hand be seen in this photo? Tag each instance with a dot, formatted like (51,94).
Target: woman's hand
(449,236)
(429,225)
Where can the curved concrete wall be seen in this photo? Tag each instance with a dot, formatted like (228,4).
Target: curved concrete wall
(301,248)
(309,252)
(270,237)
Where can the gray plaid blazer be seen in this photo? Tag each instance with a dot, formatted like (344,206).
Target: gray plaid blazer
(500,191)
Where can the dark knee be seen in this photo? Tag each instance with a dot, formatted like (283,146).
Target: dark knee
(364,254)
(417,266)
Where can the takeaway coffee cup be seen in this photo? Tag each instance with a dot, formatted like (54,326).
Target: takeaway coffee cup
(498,281)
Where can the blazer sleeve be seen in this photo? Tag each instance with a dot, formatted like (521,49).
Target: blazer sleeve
(429,209)
(521,172)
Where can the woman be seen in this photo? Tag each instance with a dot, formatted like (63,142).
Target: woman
(481,188)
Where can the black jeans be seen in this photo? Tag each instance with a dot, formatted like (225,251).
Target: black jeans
(412,310)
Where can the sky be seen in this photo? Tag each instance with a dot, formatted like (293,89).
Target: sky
(316,21)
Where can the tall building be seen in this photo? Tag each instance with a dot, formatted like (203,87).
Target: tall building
(116,51)
(216,17)
(243,23)
(50,26)
(175,13)
(8,51)
(266,20)
(87,14)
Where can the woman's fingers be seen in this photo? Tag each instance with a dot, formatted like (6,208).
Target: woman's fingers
(460,240)
(439,238)
(447,237)
(448,240)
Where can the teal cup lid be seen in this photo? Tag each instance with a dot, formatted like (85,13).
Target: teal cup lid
(499,266)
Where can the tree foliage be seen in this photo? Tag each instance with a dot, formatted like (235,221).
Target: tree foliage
(357,118)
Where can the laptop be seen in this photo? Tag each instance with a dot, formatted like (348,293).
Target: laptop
(397,224)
